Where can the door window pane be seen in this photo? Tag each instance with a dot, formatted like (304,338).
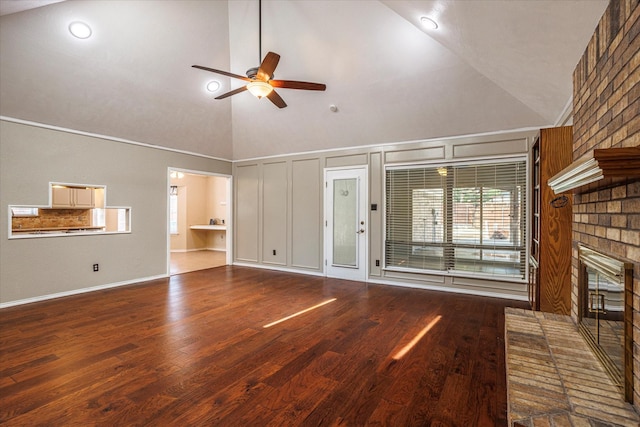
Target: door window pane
(345,222)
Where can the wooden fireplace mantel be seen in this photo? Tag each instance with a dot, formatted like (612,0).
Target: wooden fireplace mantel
(600,168)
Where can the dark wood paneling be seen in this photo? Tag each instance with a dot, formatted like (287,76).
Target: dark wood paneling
(554,271)
(192,350)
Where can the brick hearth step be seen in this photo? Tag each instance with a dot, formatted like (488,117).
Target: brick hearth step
(553,378)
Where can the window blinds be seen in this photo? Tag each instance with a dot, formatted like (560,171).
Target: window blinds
(457,218)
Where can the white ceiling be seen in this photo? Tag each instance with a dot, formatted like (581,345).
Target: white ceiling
(490,66)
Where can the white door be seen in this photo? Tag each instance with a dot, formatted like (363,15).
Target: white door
(346,230)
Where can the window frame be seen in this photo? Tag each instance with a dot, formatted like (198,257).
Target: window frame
(523,247)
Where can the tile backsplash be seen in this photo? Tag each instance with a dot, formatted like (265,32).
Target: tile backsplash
(54,218)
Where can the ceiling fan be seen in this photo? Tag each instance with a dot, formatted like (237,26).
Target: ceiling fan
(260,79)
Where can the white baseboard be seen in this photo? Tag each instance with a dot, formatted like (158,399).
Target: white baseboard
(264,267)
(285,270)
(395,283)
(447,289)
(80,291)
(197,250)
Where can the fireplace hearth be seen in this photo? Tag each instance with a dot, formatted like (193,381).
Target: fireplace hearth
(605,314)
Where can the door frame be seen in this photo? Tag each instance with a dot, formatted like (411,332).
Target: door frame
(363,190)
(228,219)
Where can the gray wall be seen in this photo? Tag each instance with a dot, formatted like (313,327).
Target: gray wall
(279,205)
(135,176)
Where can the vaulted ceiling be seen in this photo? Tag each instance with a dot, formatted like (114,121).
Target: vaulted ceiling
(490,66)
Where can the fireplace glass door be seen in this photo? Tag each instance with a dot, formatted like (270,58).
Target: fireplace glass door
(603,320)
(603,314)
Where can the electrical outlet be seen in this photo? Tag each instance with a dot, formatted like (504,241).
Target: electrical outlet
(96,267)
(377,263)
(274,251)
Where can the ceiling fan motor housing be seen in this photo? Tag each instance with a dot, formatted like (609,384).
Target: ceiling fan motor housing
(253,72)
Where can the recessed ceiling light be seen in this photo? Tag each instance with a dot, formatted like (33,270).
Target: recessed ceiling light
(80,30)
(213,85)
(429,23)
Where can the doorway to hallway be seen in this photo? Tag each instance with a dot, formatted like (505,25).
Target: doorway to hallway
(199,221)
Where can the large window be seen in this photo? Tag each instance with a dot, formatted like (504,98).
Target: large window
(457,218)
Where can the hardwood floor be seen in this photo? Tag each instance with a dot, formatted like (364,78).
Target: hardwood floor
(193,350)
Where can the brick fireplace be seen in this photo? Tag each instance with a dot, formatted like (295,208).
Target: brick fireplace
(606,114)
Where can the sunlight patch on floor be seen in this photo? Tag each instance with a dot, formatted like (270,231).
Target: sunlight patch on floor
(399,355)
(306,310)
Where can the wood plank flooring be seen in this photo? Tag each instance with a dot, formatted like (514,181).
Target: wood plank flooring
(192,350)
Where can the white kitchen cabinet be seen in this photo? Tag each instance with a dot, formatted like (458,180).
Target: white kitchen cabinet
(72,198)
(84,198)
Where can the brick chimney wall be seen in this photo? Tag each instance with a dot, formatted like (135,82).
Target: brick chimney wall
(606,107)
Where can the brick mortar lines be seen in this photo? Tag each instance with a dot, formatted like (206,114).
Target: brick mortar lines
(607,114)
(612,205)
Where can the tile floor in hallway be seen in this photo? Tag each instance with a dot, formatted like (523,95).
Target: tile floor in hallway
(184,262)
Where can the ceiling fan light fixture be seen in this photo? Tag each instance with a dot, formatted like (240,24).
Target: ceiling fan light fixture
(259,89)
(429,23)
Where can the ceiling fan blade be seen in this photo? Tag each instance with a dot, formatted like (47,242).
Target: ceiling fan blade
(268,66)
(275,98)
(233,92)
(292,84)
(224,73)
